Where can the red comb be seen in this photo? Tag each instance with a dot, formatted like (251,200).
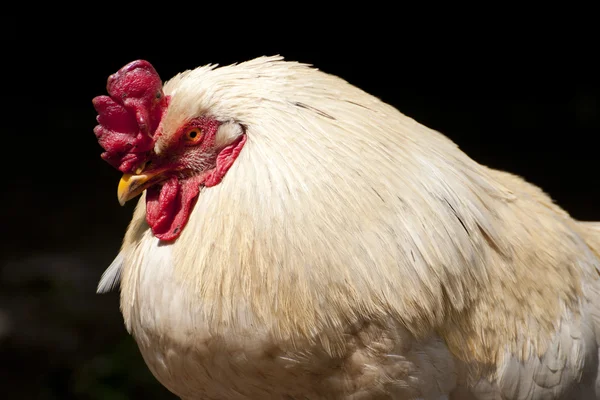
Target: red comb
(129,116)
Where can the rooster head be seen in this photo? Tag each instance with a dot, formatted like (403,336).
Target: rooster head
(171,152)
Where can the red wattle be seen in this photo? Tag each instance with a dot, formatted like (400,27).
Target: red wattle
(168,207)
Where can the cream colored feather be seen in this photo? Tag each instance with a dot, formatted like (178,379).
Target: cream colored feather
(352,253)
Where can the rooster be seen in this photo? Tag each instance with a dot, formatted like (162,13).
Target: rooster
(298,238)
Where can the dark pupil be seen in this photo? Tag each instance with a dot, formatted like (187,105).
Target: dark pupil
(193,134)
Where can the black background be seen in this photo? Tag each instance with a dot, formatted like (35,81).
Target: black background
(520,99)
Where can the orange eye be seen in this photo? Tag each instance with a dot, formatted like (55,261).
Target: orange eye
(193,135)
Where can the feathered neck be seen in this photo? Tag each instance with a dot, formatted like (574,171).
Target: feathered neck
(340,208)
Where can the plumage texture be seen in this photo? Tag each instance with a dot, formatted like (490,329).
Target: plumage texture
(353,253)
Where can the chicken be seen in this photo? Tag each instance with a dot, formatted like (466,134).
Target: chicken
(298,238)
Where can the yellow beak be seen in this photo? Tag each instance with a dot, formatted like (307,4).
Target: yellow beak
(132,185)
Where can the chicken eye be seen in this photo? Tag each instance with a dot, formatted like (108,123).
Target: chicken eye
(193,135)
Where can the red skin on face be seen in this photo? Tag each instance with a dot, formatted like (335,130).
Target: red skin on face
(128,120)
(168,207)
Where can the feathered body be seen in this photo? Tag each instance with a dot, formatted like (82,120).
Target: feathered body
(353,253)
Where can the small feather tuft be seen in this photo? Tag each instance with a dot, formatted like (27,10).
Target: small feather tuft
(112,276)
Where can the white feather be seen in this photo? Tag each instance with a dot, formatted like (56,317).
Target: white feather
(227,133)
(112,276)
(342,233)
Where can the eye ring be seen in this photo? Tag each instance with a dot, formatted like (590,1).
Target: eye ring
(193,135)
